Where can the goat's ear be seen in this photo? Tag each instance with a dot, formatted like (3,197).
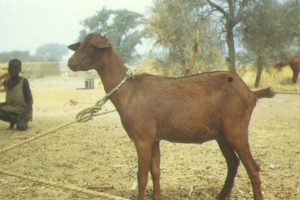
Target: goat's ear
(100,44)
(74,47)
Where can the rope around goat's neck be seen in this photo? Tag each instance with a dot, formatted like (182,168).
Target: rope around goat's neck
(88,113)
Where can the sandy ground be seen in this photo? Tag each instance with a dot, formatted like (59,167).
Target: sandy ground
(99,155)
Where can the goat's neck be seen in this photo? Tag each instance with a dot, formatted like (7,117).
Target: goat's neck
(112,72)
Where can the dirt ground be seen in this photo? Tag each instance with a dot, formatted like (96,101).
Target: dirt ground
(99,155)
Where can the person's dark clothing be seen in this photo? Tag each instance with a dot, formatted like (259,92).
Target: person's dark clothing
(17,109)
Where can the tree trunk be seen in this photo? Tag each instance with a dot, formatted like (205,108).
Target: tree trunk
(259,70)
(190,68)
(231,47)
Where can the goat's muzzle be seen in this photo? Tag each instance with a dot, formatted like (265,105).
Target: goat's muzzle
(73,64)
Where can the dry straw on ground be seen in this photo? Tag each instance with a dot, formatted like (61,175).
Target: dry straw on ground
(98,155)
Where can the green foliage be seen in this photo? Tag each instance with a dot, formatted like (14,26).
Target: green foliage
(122,27)
(260,28)
(273,33)
(51,52)
(290,26)
(229,13)
(176,25)
(269,35)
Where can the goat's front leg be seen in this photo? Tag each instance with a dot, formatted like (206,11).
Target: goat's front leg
(155,170)
(144,161)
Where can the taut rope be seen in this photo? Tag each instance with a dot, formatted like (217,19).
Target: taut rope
(83,116)
(88,113)
(35,137)
(51,131)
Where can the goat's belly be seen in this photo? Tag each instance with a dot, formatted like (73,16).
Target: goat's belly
(199,136)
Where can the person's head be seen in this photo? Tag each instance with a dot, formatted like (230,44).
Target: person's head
(14,68)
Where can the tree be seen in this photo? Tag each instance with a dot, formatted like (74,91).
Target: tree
(289,28)
(231,13)
(185,35)
(51,52)
(122,27)
(269,35)
(22,55)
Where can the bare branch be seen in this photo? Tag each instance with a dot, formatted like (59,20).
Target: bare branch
(241,10)
(217,7)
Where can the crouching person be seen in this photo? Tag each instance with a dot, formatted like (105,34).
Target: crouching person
(17,109)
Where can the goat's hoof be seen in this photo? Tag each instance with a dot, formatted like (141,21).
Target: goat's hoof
(223,197)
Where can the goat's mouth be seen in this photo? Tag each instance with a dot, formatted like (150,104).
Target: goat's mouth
(74,67)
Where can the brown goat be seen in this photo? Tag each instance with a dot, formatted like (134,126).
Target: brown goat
(194,109)
(294,63)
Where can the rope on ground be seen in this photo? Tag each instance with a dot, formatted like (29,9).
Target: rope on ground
(82,116)
(62,185)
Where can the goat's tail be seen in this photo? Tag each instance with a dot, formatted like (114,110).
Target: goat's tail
(265,93)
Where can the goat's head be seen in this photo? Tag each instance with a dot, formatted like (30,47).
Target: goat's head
(90,53)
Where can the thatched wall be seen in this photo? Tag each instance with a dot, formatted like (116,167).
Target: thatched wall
(35,70)
(3,77)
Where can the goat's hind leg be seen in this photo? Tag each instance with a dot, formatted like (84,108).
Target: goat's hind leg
(232,165)
(241,146)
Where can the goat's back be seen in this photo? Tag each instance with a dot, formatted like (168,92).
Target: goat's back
(184,107)
(205,88)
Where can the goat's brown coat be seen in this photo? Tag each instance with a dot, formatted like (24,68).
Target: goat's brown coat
(194,109)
